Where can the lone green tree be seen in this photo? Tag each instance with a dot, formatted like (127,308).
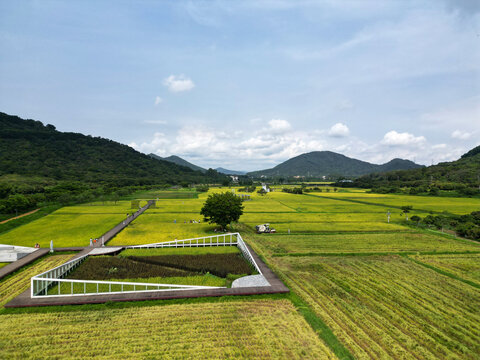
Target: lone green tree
(222,209)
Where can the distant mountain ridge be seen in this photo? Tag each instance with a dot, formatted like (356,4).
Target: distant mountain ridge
(230,172)
(179,161)
(328,163)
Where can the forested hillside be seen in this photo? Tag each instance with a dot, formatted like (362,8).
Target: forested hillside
(30,148)
(461,176)
(39,164)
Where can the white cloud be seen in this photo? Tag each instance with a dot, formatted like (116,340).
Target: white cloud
(461,135)
(393,138)
(158,100)
(178,83)
(339,130)
(279,126)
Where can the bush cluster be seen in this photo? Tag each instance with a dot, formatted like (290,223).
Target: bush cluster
(467,226)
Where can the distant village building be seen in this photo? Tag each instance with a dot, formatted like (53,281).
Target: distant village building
(234,178)
(265,187)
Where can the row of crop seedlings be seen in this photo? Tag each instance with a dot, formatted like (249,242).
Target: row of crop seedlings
(41,287)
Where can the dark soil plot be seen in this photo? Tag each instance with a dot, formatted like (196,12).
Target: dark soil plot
(113,267)
(216,264)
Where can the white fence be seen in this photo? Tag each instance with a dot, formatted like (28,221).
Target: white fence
(230,239)
(44,284)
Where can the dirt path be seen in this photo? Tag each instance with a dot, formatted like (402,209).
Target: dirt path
(19,216)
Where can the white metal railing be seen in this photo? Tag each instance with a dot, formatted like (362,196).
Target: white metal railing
(44,283)
(95,287)
(229,239)
(39,285)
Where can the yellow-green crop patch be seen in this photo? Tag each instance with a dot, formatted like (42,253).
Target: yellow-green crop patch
(465,266)
(224,330)
(424,203)
(362,243)
(152,228)
(19,282)
(65,230)
(2,264)
(388,307)
(121,207)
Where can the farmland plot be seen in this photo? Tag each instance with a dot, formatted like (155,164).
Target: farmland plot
(388,307)
(14,285)
(465,266)
(425,203)
(241,329)
(154,227)
(407,241)
(64,229)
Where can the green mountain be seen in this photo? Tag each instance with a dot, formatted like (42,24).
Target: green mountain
(179,161)
(325,163)
(461,174)
(28,147)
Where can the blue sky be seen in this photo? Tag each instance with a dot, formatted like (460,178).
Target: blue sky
(248,84)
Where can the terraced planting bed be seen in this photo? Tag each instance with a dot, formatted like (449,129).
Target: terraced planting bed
(234,329)
(194,267)
(2,264)
(388,307)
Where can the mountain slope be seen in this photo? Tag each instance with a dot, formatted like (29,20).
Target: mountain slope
(447,175)
(179,161)
(324,163)
(27,147)
(229,172)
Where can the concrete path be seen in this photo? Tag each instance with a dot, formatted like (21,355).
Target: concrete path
(250,281)
(14,266)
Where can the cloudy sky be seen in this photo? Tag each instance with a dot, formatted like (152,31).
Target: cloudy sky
(248,84)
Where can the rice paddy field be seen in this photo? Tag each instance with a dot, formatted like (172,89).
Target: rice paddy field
(360,287)
(465,266)
(69,226)
(457,206)
(261,329)
(388,307)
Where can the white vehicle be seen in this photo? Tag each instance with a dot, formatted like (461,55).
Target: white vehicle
(264,228)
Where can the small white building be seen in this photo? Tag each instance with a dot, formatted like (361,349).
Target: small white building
(265,187)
